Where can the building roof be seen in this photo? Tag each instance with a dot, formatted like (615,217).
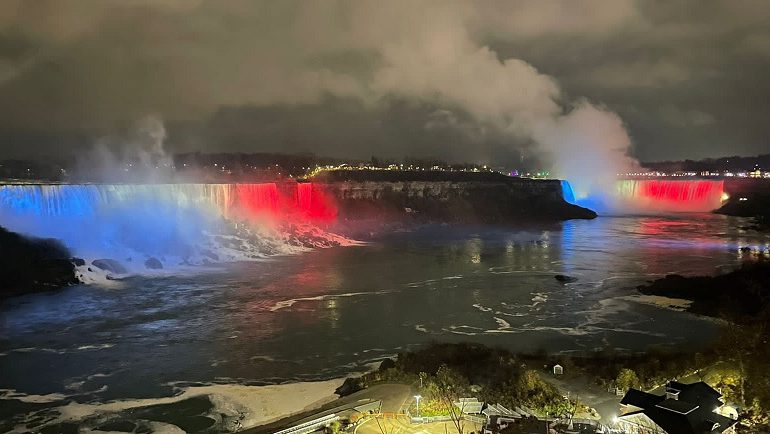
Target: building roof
(469,405)
(697,392)
(677,406)
(499,410)
(692,413)
(640,399)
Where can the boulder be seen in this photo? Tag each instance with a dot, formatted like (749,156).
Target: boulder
(110,265)
(32,264)
(387,364)
(565,279)
(351,385)
(210,254)
(153,264)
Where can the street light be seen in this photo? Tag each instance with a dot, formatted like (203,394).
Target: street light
(418,397)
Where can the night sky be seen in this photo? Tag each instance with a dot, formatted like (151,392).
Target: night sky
(464,81)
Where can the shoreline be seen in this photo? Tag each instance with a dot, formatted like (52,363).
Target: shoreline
(245,406)
(663,302)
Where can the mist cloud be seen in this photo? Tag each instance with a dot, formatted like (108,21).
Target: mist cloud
(494,74)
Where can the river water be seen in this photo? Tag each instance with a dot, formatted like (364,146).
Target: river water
(330,312)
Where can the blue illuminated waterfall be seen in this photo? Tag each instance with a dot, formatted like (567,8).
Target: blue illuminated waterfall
(94,220)
(567,193)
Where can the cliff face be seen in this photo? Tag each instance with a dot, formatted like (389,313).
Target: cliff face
(474,201)
(33,264)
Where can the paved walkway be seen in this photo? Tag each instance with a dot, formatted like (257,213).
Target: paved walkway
(606,403)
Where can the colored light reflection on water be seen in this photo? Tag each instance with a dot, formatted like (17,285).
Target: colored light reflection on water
(651,196)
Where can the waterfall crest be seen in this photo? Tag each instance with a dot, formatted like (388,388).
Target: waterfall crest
(175,222)
(653,196)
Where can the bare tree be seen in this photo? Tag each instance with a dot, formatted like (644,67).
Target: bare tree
(384,429)
(450,386)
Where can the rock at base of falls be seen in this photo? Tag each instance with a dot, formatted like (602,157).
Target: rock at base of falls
(109,265)
(33,264)
(153,264)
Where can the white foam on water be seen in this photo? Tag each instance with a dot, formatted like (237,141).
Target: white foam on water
(421,328)
(86,347)
(482,308)
(567,331)
(162,428)
(421,283)
(74,385)
(283,304)
(32,399)
(461,330)
(508,270)
(249,405)
(36,349)
(95,347)
(503,324)
(516,315)
(677,304)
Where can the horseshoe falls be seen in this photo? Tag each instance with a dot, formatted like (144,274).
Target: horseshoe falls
(652,196)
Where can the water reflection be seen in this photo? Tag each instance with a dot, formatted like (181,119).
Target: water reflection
(327,312)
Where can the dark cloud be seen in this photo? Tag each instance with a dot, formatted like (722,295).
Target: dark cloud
(393,129)
(477,81)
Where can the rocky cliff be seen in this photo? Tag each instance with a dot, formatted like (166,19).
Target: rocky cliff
(486,198)
(33,264)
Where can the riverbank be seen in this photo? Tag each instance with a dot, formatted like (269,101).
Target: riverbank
(751,204)
(219,407)
(442,373)
(33,264)
(742,299)
(741,295)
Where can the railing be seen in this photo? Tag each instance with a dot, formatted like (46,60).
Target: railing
(310,426)
(446,418)
(430,419)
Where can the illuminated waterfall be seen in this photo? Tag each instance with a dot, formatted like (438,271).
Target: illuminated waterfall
(567,192)
(672,196)
(153,219)
(653,195)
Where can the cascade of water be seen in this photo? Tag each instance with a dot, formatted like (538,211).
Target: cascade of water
(305,196)
(257,199)
(155,219)
(677,196)
(314,204)
(567,193)
(652,195)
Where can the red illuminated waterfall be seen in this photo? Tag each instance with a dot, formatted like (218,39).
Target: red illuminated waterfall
(257,199)
(314,203)
(677,196)
(295,201)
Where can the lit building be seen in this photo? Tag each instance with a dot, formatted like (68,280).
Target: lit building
(684,409)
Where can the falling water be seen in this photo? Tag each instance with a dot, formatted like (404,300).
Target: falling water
(653,196)
(672,196)
(152,220)
(567,192)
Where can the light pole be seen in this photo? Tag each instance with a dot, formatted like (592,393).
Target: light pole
(418,397)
